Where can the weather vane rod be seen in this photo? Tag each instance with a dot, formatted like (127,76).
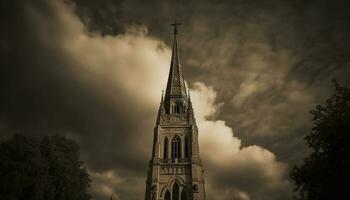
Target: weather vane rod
(175,24)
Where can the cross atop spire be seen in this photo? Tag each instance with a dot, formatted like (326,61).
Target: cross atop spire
(175,24)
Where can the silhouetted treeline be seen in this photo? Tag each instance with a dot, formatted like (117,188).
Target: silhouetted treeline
(42,168)
(325,173)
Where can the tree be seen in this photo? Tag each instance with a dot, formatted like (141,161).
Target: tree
(325,173)
(42,168)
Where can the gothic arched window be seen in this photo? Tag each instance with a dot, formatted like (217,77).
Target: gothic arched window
(186,147)
(167,195)
(165,152)
(175,191)
(183,195)
(176,147)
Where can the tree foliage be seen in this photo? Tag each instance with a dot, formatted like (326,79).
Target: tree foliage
(325,173)
(45,168)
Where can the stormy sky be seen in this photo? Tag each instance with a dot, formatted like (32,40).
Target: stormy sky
(94,70)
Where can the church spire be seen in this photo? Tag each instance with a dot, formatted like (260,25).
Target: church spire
(175,154)
(176,84)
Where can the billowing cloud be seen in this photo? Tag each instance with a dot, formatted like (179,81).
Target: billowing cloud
(129,71)
(133,62)
(233,171)
(101,91)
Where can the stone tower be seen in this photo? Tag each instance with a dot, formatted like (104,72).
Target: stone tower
(175,169)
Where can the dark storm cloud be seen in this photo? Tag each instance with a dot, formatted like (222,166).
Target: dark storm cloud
(269,61)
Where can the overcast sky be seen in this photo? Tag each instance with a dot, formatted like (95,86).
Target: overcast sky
(94,70)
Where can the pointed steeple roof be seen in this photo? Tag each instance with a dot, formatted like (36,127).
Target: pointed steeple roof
(176,84)
(161,108)
(190,111)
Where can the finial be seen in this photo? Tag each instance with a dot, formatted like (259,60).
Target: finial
(175,24)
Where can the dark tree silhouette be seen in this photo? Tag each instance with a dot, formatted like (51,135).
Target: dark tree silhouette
(325,173)
(42,168)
